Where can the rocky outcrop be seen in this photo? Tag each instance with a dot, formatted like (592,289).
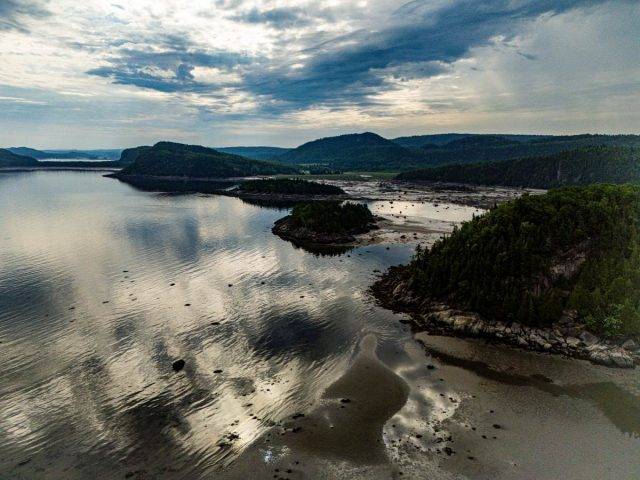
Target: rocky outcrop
(566,337)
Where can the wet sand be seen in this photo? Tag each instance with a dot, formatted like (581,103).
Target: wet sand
(345,429)
(458,409)
(526,415)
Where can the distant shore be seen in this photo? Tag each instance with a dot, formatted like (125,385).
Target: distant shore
(61,168)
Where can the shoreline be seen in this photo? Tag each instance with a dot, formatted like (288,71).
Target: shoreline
(344,426)
(472,196)
(565,337)
(301,236)
(61,168)
(215,186)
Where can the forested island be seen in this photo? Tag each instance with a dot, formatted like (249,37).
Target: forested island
(287,186)
(582,166)
(325,223)
(550,271)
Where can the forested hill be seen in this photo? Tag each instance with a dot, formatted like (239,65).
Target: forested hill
(575,167)
(130,155)
(364,152)
(530,259)
(166,159)
(10,159)
(255,153)
(371,152)
(441,139)
(467,148)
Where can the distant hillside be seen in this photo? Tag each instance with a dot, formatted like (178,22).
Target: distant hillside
(581,166)
(44,155)
(255,153)
(492,148)
(10,159)
(130,155)
(371,152)
(100,154)
(438,140)
(366,151)
(166,159)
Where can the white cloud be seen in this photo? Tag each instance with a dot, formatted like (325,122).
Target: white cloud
(195,69)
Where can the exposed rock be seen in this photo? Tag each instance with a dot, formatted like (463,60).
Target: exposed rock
(178,365)
(567,337)
(588,339)
(573,342)
(399,290)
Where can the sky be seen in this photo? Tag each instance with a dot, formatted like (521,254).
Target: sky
(114,74)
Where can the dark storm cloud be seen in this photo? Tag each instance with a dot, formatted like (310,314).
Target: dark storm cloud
(166,71)
(416,41)
(349,69)
(276,17)
(14,12)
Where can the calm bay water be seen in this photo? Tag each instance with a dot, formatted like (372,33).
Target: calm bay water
(102,287)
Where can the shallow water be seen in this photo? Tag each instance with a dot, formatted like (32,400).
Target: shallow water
(102,287)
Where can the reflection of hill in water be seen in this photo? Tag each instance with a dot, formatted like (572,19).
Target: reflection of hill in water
(151,184)
(323,250)
(277,204)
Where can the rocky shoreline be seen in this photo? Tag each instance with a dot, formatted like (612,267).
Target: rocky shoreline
(285,197)
(288,230)
(566,337)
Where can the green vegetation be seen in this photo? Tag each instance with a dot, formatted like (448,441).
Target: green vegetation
(166,159)
(530,259)
(10,159)
(366,151)
(289,187)
(354,176)
(332,217)
(432,141)
(371,152)
(322,170)
(576,167)
(452,149)
(130,155)
(255,153)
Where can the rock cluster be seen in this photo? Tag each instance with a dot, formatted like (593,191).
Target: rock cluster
(566,337)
